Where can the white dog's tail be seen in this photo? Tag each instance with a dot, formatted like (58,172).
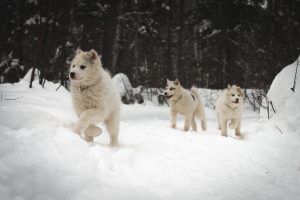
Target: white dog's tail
(195,92)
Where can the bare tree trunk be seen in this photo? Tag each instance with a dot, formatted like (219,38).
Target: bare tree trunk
(180,66)
(115,49)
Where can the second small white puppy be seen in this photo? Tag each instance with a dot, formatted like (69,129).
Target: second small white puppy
(229,109)
(187,103)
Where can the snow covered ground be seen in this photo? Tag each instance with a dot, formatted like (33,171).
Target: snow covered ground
(42,160)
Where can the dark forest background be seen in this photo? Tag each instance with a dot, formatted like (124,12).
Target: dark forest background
(207,42)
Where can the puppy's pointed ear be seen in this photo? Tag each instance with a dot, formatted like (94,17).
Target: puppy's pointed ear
(168,81)
(240,91)
(92,54)
(176,82)
(228,86)
(78,51)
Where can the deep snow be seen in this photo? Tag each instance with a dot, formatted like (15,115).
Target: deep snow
(42,160)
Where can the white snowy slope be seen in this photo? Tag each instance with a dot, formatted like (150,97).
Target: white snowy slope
(285,101)
(42,160)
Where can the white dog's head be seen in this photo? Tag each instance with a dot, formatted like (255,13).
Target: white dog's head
(234,96)
(173,89)
(85,67)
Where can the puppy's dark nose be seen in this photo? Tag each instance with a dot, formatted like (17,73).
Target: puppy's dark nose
(165,93)
(237,100)
(72,74)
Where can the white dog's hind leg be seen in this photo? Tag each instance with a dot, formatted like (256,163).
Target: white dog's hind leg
(218,119)
(194,125)
(201,114)
(112,125)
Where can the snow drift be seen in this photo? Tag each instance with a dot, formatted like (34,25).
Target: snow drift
(284,106)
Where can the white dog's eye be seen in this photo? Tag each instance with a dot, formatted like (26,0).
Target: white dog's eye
(82,66)
(239,95)
(73,66)
(171,88)
(232,95)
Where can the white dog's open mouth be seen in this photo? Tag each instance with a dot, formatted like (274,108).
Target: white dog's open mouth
(168,97)
(235,101)
(76,79)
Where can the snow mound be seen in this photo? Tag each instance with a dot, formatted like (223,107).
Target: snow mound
(283,101)
(123,84)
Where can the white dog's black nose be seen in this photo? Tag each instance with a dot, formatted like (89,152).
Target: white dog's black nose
(72,74)
(237,100)
(165,93)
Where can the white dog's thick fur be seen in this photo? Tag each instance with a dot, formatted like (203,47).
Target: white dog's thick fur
(229,109)
(187,103)
(95,97)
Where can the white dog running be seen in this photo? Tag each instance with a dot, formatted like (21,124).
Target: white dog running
(94,96)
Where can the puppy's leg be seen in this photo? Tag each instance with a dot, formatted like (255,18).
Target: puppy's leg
(201,114)
(238,128)
(194,125)
(187,122)
(91,116)
(112,125)
(92,131)
(233,124)
(173,115)
(223,123)
(89,138)
(218,119)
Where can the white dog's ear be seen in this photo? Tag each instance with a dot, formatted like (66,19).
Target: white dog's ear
(176,82)
(168,81)
(92,54)
(228,86)
(78,51)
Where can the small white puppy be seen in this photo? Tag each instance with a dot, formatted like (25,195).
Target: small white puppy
(229,109)
(95,97)
(187,103)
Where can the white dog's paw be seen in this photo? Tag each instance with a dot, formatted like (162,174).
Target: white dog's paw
(173,125)
(93,131)
(185,129)
(224,134)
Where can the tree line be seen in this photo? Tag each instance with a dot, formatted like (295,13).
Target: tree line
(209,43)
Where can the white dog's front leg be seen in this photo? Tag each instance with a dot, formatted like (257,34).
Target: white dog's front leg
(187,122)
(223,123)
(238,128)
(91,116)
(173,114)
(233,124)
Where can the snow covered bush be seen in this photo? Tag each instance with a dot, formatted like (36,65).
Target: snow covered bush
(10,69)
(283,98)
